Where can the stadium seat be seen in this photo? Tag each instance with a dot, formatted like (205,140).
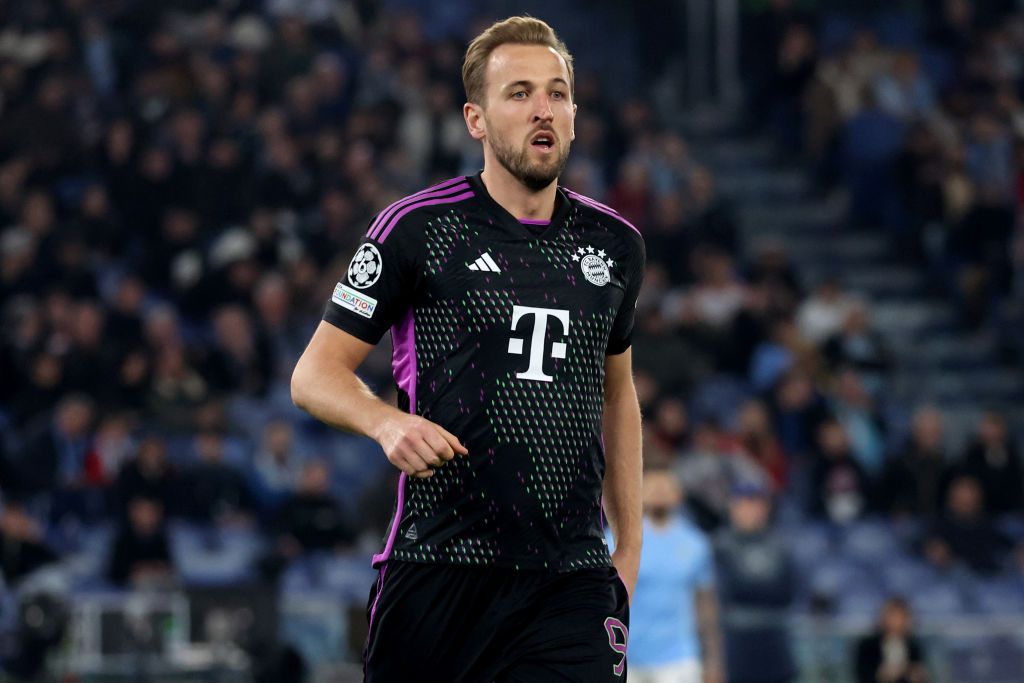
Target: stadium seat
(865,601)
(941,599)
(902,575)
(1001,596)
(207,556)
(871,542)
(809,543)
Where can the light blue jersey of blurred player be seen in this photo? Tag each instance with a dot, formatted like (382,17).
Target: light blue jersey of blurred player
(673,608)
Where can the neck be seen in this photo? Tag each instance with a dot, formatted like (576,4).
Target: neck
(513,196)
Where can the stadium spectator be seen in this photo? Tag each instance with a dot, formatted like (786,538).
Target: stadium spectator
(964,534)
(857,410)
(141,553)
(841,488)
(798,410)
(892,654)
(671,426)
(914,480)
(821,316)
(709,470)
(859,346)
(148,475)
(312,519)
(674,634)
(757,440)
(994,460)
(756,584)
(54,458)
(277,468)
(215,491)
(22,548)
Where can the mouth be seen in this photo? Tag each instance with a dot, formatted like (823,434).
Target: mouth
(543,141)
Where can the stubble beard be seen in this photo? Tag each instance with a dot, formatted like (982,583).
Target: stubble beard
(534,175)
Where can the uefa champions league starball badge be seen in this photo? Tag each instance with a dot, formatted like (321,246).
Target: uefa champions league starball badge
(596,268)
(364,270)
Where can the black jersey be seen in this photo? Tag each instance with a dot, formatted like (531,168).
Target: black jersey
(500,332)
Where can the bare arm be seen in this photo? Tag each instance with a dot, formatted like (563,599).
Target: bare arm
(325,385)
(710,633)
(624,465)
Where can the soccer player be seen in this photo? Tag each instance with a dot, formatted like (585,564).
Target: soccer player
(510,302)
(676,638)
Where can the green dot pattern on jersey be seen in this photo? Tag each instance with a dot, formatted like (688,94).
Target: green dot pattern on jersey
(554,423)
(442,235)
(569,408)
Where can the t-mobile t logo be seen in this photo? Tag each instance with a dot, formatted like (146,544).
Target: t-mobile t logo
(540,326)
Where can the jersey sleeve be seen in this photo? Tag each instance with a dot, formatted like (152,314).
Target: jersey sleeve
(622,329)
(377,288)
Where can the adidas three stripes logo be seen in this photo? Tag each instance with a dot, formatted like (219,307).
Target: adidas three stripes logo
(485,263)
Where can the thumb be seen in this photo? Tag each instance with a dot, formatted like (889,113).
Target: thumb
(452,440)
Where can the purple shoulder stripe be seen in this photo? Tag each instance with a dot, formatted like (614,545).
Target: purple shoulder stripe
(603,208)
(433,190)
(423,201)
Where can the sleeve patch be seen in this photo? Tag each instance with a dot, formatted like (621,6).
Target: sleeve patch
(357,302)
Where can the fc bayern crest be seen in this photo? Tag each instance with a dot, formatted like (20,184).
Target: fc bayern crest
(364,270)
(596,268)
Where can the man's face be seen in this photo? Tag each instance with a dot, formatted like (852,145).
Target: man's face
(528,113)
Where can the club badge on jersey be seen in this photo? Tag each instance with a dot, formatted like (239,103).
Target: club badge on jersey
(596,268)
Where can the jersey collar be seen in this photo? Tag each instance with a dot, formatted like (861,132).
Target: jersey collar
(511,223)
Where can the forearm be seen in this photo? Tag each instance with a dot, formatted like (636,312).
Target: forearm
(623,470)
(710,632)
(338,398)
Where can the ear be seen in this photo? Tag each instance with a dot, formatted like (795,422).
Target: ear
(474,115)
(572,124)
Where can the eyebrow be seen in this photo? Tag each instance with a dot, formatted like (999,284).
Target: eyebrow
(529,84)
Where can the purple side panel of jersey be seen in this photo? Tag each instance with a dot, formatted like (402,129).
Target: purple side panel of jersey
(403,364)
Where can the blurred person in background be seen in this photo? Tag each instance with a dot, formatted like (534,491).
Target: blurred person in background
(841,489)
(757,584)
(675,636)
(277,466)
(709,469)
(995,461)
(892,654)
(215,491)
(141,554)
(964,534)
(147,475)
(914,480)
(22,548)
(311,519)
(822,315)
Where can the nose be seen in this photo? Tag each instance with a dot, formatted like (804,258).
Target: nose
(543,111)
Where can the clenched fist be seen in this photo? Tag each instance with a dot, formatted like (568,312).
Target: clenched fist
(418,446)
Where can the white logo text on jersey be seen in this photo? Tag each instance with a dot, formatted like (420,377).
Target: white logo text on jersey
(485,263)
(365,267)
(540,325)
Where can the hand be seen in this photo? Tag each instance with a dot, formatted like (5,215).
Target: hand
(628,566)
(418,446)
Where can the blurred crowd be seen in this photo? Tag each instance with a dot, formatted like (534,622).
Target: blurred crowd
(920,116)
(180,186)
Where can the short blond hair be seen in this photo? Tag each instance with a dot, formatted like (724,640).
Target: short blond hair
(520,30)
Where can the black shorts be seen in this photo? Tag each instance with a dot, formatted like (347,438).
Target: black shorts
(434,623)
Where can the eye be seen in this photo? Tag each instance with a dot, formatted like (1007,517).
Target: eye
(558,95)
(519,95)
